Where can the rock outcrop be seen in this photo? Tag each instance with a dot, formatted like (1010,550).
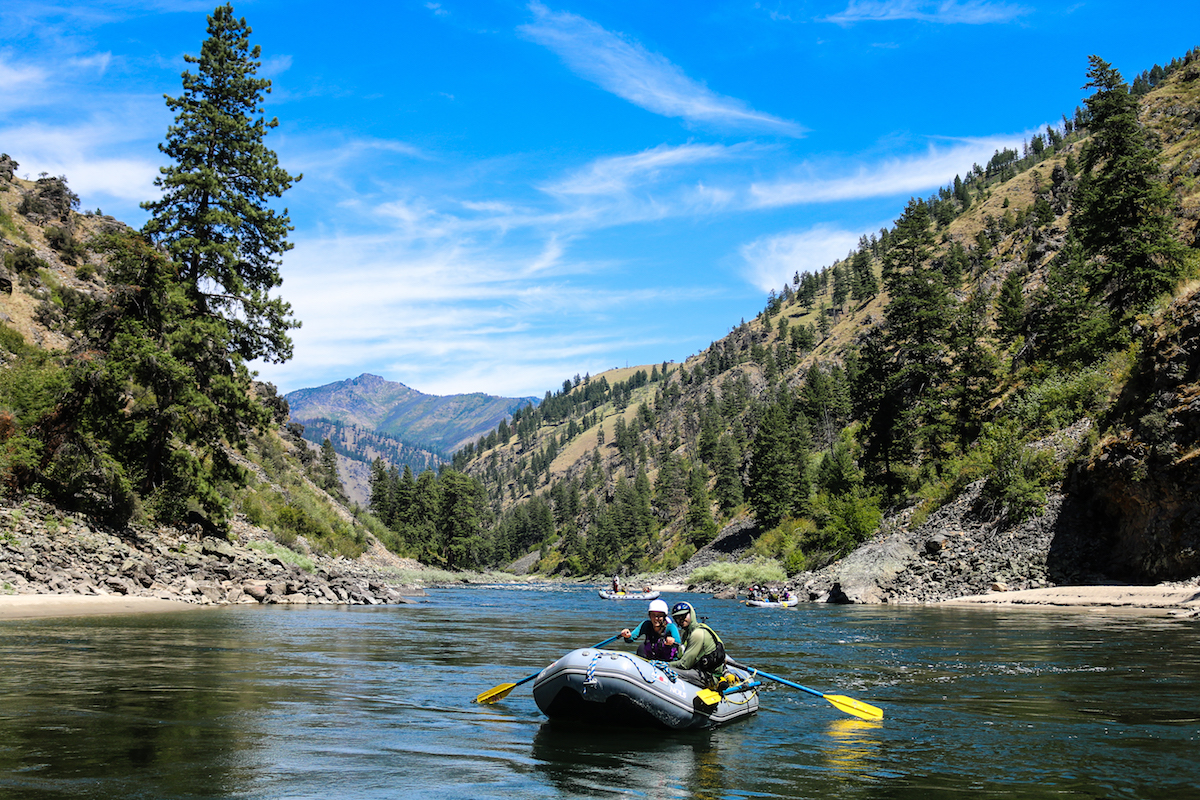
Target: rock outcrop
(43,550)
(1142,489)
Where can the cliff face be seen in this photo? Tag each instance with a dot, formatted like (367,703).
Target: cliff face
(1141,489)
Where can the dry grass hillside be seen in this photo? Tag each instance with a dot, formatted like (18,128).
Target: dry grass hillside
(1002,208)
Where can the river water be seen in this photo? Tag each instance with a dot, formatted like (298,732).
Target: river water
(376,702)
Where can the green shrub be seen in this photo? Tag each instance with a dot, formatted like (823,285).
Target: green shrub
(24,261)
(1060,400)
(1020,475)
(796,561)
(677,556)
(8,225)
(853,518)
(12,341)
(762,570)
(67,245)
(283,553)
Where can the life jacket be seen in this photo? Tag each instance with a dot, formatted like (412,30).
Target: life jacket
(656,648)
(714,662)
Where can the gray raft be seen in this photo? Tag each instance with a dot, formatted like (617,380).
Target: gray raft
(611,687)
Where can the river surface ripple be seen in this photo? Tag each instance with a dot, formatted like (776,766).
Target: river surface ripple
(376,702)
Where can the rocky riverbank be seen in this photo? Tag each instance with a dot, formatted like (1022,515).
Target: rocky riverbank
(44,551)
(957,554)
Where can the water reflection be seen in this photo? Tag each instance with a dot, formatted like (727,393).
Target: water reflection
(853,746)
(376,704)
(582,761)
(111,707)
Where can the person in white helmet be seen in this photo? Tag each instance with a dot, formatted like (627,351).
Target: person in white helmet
(662,637)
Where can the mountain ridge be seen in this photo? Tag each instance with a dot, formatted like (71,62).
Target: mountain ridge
(440,424)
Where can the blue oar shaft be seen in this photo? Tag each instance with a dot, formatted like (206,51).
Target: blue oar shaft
(775,678)
(790,683)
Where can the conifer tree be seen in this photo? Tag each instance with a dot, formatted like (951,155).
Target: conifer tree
(728,470)
(330,480)
(1010,306)
(213,216)
(1124,209)
(778,485)
(169,447)
(701,526)
(905,369)
(461,517)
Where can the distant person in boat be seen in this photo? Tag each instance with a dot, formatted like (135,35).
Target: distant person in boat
(703,658)
(616,585)
(662,637)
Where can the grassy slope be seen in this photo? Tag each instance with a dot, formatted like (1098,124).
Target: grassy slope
(1169,110)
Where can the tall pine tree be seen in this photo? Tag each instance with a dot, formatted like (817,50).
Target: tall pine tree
(213,216)
(1123,207)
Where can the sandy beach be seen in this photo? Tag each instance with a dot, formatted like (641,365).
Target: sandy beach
(28,606)
(1183,599)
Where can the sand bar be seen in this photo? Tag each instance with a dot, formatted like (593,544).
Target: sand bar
(28,606)
(1172,597)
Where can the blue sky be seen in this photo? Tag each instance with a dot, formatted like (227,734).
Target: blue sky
(500,195)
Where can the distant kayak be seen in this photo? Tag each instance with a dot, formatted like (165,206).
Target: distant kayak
(616,688)
(609,594)
(795,601)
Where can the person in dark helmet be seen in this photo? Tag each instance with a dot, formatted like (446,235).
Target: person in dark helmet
(662,637)
(702,661)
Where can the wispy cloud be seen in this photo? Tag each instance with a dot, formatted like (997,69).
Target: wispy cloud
(97,62)
(20,84)
(275,66)
(83,153)
(898,176)
(644,78)
(618,174)
(488,316)
(772,261)
(971,12)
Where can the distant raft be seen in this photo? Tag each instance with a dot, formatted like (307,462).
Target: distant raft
(616,688)
(609,594)
(788,603)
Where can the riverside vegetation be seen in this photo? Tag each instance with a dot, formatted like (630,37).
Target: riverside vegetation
(1019,352)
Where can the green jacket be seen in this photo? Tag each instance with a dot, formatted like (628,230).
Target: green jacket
(698,641)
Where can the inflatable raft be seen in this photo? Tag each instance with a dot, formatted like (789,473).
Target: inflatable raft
(795,601)
(609,594)
(611,687)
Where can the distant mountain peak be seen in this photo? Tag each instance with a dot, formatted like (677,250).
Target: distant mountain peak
(441,424)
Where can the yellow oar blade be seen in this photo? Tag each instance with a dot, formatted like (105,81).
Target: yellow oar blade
(856,707)
(496,694)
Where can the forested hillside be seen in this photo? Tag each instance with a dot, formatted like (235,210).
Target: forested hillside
(124,390)
(1050,289)
(1016,302)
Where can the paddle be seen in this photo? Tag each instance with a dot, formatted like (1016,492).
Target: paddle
(847,704)
(500,692)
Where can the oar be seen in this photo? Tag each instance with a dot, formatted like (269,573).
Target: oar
(848,704)
(500,692)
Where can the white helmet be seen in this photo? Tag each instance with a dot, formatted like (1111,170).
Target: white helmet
(658,605)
